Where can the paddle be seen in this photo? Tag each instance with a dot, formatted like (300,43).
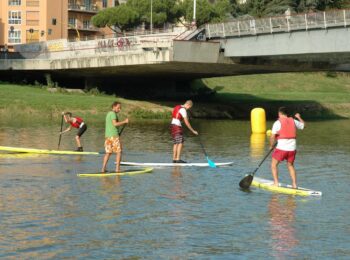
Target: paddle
(247,180)
(59,140)
(210,162)
(121,130)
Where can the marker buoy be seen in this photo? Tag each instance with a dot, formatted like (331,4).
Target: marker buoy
(258,120)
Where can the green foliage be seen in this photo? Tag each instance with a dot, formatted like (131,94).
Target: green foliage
(164,11)
(123,16)
(261,8)
(206,11)
(148,114)
(135,12)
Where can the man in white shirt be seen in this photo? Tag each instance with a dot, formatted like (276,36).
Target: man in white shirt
(179,114)
(284,132)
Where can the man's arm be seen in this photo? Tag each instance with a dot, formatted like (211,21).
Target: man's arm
(187,123)
(272,140)
(297,116)
(116,123)
(64,116)
(67,130)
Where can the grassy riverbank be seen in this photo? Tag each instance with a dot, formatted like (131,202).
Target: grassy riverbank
(36,103)
(318,95)
(315,95)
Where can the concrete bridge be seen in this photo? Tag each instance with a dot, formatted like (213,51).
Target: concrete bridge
(308,42)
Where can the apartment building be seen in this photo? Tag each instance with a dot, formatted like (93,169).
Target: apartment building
(26,21)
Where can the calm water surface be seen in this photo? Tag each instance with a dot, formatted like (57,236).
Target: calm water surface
(46,211)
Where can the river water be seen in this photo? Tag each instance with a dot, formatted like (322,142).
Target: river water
(46,211)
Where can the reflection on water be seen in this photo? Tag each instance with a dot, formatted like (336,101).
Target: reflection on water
(46,211)
(257,145)
(282,220)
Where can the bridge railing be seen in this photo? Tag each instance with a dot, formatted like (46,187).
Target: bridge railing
(278,24)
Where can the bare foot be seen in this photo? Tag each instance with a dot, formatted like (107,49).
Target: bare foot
(276,184)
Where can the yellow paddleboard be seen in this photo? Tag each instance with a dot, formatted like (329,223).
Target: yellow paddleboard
(282,188)
(127,172)
(41,151)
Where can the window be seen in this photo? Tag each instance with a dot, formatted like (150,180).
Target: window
(14,2)
(72,21)
(33,3)
(86,24)
(32,18)
(104,3)
(15,36)
(14,17)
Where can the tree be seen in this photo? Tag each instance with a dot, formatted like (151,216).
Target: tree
(261,8)
(164,11)
(121,16)
(207,12)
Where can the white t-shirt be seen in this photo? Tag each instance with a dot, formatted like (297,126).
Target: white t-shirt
(286,144)
(182,112)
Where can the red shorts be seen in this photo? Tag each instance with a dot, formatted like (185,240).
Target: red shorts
(281,155)
(177,134)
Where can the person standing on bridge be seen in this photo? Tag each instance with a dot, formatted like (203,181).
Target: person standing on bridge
(112,136)
(75,122)
(179,114)
(284,133)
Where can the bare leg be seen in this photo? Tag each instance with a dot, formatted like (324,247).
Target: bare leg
(274,170)
(178,151)
(174,152)
(77,139)
(118,158)
(293,174)
(105,161)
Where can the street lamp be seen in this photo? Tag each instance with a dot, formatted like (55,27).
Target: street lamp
(151,22)
(194,12)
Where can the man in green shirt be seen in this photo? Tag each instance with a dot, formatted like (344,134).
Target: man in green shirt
(112,140)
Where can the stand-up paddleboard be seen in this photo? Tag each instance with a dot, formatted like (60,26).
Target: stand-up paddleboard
(126,172)
(175,164)
(283,188)
(40,151)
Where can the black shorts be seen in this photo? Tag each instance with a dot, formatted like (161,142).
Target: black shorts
(82,130)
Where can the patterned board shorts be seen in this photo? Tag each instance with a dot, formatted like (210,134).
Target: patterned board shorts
(113,145)
(177,134)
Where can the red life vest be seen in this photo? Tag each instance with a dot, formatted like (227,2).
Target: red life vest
(288,129)
(176,112)
(77,123)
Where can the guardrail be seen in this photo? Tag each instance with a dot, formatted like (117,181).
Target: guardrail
(83,8)
(279,24)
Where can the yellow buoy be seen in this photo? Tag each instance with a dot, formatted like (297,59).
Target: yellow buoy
(258,120)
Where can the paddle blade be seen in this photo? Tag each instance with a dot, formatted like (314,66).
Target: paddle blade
(211,163)
(246,182)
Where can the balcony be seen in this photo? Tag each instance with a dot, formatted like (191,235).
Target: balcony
(88,28)
(93,9)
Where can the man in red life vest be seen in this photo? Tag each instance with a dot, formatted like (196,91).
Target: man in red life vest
(179,114)
(284,131)
(75,122)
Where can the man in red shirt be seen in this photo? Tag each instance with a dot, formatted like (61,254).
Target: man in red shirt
(284,131)
(180,114)
(75,122)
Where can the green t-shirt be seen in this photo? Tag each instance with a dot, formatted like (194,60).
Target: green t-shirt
(111,130)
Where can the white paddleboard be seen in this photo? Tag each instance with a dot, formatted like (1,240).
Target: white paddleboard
(175,164)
